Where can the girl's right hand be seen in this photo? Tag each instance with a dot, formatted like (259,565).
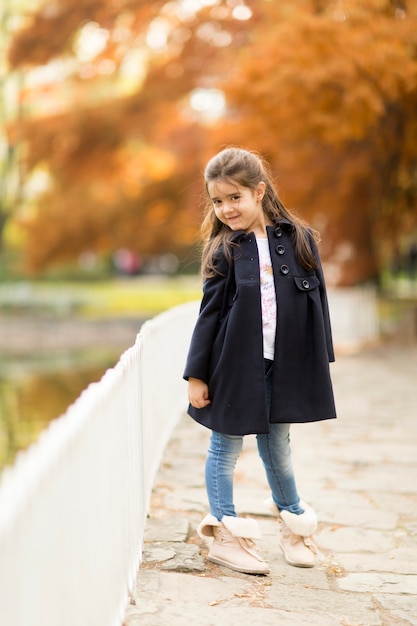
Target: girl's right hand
(198,393)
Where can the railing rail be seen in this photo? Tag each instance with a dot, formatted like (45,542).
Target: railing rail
(73,507)
(354,315)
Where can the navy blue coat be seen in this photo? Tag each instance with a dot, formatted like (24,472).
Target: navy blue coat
(226,348)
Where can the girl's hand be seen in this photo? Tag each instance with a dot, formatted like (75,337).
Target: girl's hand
(198,393)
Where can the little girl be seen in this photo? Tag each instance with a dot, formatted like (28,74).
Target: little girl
(259,354)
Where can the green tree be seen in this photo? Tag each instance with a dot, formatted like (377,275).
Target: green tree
(11,175)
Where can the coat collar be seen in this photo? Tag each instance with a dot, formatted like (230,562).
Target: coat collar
(239,235)
(282,222)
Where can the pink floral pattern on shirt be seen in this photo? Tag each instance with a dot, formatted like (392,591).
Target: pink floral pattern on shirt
(268,299)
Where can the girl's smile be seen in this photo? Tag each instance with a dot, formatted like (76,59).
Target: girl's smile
(239,207)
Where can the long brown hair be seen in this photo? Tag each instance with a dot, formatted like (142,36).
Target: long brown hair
(247,169)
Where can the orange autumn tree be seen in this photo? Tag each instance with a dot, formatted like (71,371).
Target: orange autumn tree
(329,95)
(326,90)
(121,148)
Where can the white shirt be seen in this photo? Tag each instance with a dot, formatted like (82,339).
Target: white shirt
(268,299)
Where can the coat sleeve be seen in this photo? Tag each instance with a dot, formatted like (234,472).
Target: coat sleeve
(324,303)
(206,328)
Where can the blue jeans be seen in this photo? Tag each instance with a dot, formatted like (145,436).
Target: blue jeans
(275,452)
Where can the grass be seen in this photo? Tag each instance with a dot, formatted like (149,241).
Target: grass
(147,296)
(118,297)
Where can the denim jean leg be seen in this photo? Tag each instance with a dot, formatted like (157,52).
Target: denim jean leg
(275,451)
(221,460)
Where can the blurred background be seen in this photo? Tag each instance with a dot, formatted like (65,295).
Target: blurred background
(109,112)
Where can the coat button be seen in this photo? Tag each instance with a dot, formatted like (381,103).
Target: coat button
(284,269)
(280,249)
(278,231)
(306,284)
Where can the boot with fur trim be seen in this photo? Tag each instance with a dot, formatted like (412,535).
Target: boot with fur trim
(304,524)
(295,534)
(233,543)
(298,551)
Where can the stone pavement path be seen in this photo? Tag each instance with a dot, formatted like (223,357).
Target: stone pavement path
(360,474)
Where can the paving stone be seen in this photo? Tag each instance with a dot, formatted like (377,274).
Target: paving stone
(231,600)
(354,540)
(399,607)
(402,504)
(167,529)
(156,553)
(188,500)
(187,559)
(398,561)
(359,474)
(332,607)
(382,583)
(381,479)
(356,511)
(172,614)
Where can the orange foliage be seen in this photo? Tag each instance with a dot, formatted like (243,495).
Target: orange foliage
(330,97)
(326,90)
(51,31)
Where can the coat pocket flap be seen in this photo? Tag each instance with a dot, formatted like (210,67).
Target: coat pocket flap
(306,283)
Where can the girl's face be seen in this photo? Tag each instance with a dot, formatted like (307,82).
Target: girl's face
(239,207)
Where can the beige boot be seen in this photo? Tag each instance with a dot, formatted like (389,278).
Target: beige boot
(298,551)
(296,541)
(233,543)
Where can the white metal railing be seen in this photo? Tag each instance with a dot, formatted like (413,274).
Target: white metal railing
(354,316)
(73,506)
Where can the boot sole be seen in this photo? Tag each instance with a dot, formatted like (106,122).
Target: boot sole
(235,568)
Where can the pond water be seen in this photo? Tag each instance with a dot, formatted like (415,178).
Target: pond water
(36,390)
